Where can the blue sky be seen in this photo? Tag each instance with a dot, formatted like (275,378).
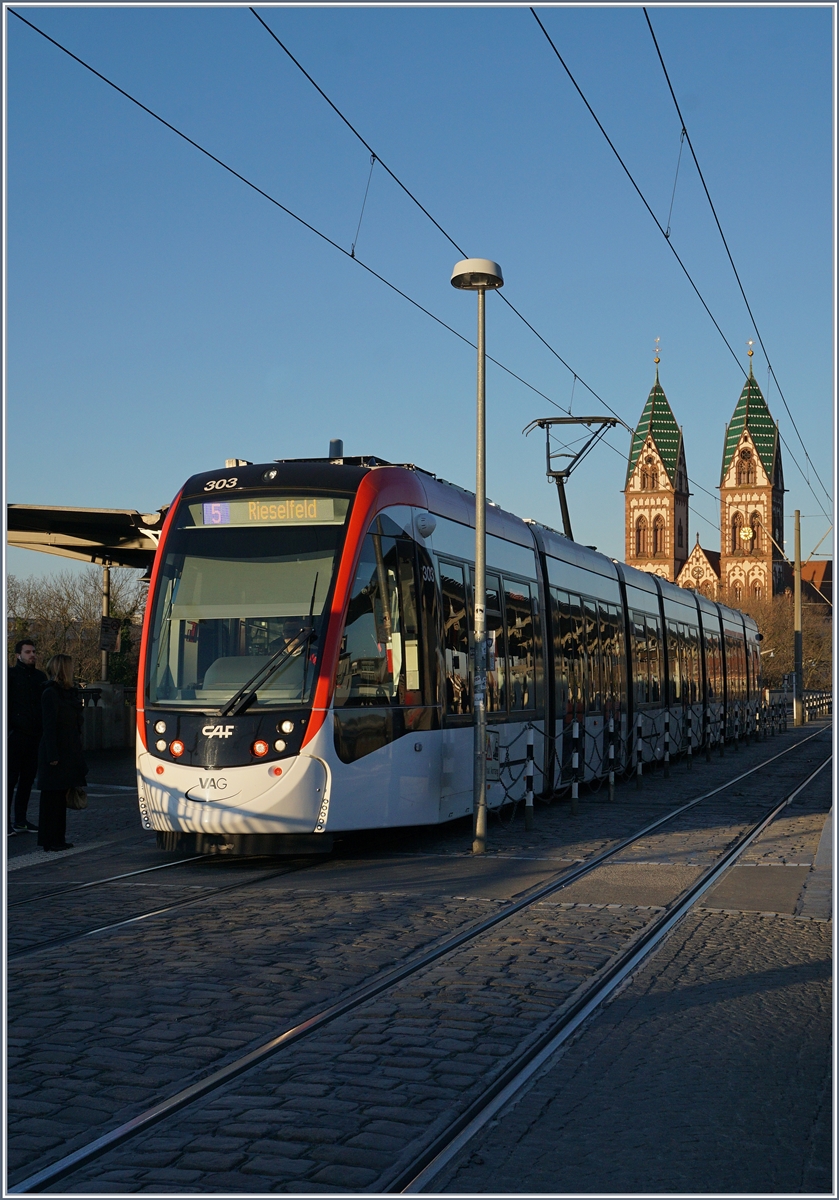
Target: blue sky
(163,317)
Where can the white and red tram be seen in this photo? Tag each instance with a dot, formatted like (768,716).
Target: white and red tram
(305,664)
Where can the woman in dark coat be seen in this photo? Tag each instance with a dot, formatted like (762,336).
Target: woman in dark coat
(61,763)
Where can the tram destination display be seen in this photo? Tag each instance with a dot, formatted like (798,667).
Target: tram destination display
(270,510)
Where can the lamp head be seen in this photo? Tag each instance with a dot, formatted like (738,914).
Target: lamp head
(474,273)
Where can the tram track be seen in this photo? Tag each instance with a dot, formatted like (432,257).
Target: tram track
(209,894)
(520,1070)
(39,947)
(80,887)
(409,1178)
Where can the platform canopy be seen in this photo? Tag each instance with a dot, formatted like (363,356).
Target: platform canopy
(119,537)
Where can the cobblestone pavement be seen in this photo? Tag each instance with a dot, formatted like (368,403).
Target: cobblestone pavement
(135,1017)
(709,1072)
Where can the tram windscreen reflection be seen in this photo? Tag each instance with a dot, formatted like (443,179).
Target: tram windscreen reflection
(236,585)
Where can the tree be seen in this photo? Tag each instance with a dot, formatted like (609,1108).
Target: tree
(61,613)
(775,620)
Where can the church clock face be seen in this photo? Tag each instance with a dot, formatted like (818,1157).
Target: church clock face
(747,533)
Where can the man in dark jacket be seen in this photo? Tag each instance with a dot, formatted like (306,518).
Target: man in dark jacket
(26,683)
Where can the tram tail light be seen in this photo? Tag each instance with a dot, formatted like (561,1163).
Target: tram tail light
(176,748)
(259,749)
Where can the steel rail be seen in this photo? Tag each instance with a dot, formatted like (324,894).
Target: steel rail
(40,947)
(374,987)
(440,1152)
(79,887)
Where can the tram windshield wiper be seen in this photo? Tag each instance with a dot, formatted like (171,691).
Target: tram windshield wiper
(247,692)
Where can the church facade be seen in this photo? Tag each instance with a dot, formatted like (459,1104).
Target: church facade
(656,491)
(750,562)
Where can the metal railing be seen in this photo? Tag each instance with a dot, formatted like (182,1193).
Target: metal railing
(817,705)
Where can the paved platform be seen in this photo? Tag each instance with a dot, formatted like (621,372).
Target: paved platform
(709,1072)
(138,1012)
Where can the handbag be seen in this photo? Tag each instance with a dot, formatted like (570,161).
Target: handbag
(76,798)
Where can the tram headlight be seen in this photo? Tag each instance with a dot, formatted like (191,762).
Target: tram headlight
(287,727)
(270,474)
(279,745)
(176,748)
(160,744)
(160,727)
(259,749)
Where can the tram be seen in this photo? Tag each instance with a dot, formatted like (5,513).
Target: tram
(305,662)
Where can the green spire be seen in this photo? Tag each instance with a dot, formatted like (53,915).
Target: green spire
(752,413)
(657,421)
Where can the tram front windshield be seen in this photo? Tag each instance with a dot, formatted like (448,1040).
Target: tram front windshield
(240,580)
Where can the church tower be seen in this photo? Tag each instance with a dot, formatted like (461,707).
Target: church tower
(752,566)
(656,492)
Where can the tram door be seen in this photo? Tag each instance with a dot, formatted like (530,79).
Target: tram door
(385,705)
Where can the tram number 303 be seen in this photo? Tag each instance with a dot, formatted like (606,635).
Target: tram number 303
(213,484)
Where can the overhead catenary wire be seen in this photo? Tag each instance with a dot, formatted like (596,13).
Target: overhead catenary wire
(363,206)
(289,212)
(352,128)
(714,524)
(335,245)
(674,251)
(318,233)
(432,219)
(503,297)
(675,181)
(678,259)
(460,250)
(685,134)
(631,179)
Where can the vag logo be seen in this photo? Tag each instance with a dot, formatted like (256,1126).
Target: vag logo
(218,785)
(211,731)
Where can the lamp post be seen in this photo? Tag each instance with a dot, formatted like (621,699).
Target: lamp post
(798,646)
(476,275)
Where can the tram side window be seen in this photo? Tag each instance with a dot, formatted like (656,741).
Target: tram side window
(592,636)
(379,662)
(521,645)
(607,654)
(713,666)
(611,641)
(431,668)
(577,655)
(455,638)
(735,661)
(691,647)
(753,659)
(640,659)
(559,605)
(654,650)
(496,693)
(674,661)
(572,638)
(410,620)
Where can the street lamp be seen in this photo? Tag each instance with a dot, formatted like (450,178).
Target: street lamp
(476,275)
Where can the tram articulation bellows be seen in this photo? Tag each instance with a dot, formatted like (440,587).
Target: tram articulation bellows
(528,782)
